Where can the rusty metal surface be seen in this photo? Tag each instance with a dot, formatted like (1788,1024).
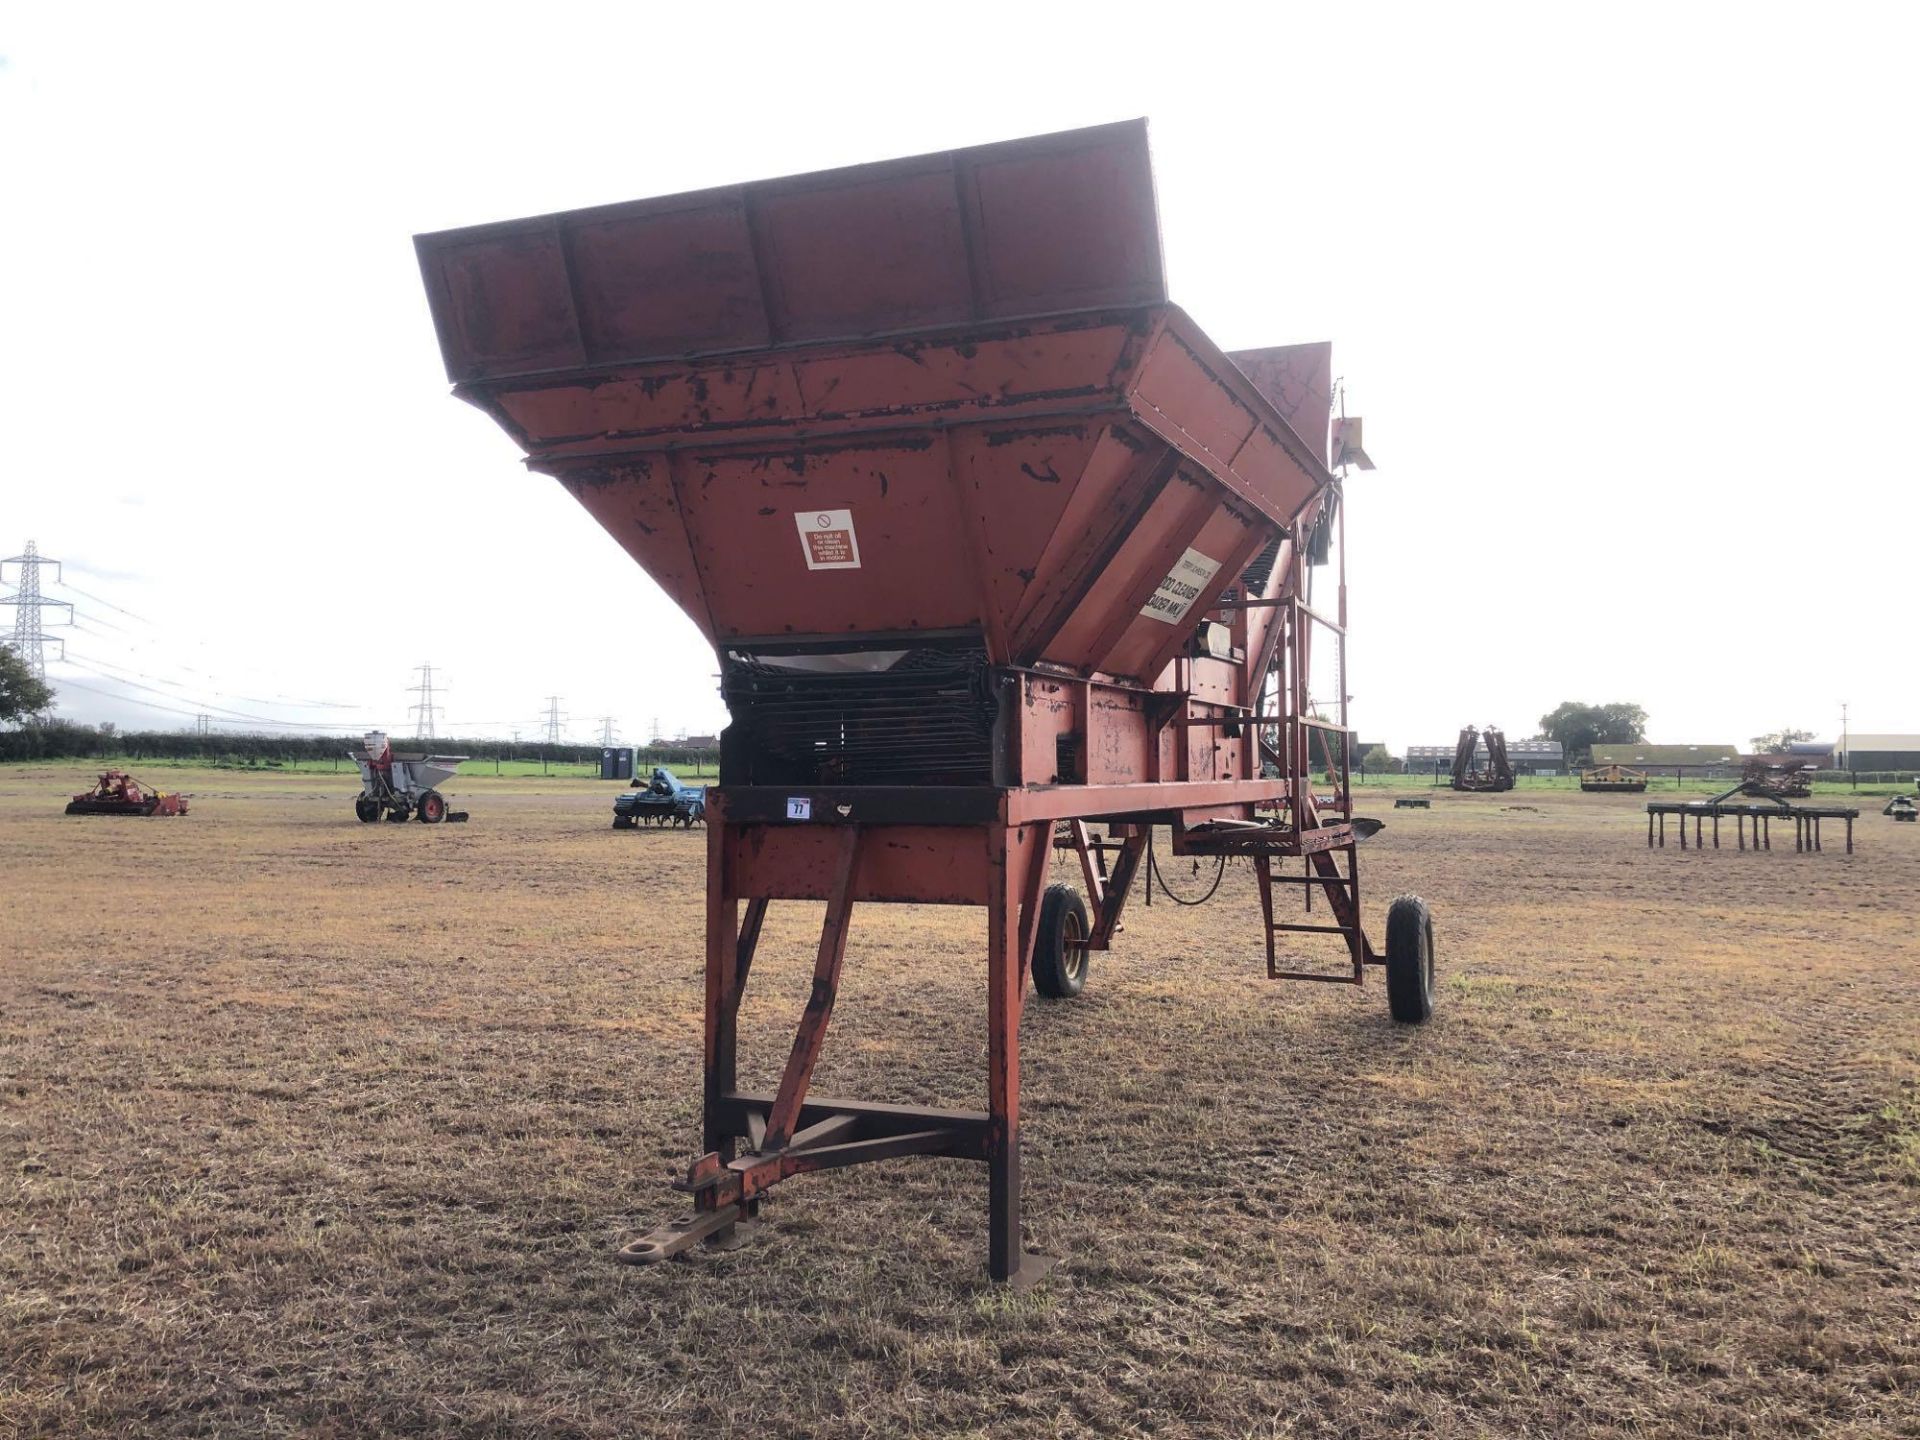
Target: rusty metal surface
(1043,519)
(1037,226)
(1298,379)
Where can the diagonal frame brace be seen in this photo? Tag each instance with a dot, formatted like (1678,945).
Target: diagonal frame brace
(826,986)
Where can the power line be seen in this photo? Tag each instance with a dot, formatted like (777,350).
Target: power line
(196,714)
(29,632)
(552,719)
(606,730)
(134,640)
(96,620)
(80,663)
(195,692)
(117,609)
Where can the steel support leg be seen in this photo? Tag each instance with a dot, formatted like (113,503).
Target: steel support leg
(730,947)
(1015,855)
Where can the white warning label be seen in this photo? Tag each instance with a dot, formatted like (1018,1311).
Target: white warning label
(1181,588)
(827,539)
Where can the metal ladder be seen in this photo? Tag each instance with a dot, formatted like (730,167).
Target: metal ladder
(1322,871)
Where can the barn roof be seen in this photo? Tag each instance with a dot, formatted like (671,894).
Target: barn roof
(1645,754)
(1516,750)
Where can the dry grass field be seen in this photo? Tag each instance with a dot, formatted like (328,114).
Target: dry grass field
(308,1127)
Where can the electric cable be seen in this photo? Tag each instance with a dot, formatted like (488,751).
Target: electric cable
(1154,873)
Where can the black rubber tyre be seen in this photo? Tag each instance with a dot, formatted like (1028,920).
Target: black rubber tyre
(433,808)
(367,810)
(1060,952)
(1409,960)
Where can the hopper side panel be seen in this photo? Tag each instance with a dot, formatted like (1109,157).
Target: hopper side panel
(1063,223)
(1041,226)
(1177,382)
(1053,367)
(1229,538)
(624,408)
(635,504)
(502,301)
(903,566)
(1111,603)
(1068,363)
(1270,470)
(667,280)
(1019,481)
(863,256)
(1123,479)
(1298,381)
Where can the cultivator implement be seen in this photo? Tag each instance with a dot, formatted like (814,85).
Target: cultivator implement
(1000,556)
(118,793)
(1739,805)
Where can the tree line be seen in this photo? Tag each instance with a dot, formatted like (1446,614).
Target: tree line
(68,740)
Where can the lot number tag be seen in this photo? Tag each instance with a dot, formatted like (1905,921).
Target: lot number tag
(827,539)
(1181,588)
(799,807)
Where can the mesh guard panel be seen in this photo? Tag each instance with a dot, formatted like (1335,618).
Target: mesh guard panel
(928,719)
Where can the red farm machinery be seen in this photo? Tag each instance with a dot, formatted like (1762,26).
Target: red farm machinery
(118,793)
(999,554)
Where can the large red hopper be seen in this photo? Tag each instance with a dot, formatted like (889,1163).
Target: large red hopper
(994,545)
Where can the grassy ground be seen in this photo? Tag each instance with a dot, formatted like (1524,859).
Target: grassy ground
(308,1127)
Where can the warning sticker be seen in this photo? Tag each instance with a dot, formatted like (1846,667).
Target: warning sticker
(827,539)
(1181,588)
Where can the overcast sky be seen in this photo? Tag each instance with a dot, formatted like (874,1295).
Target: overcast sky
(1626,295)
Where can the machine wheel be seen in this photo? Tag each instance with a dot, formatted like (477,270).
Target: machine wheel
(1060,950)
(367,810)
(1409,960)
(400,813)
(433,808)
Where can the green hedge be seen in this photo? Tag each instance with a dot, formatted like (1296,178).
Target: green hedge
(64,740)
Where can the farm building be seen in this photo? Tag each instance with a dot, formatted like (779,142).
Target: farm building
(1821,753)
(1528,757)
(1699,759)
(1881,752)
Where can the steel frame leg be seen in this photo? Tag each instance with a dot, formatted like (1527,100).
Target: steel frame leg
(1017,869)
(726,1185)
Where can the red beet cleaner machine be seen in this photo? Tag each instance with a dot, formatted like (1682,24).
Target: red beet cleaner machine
(999,554)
